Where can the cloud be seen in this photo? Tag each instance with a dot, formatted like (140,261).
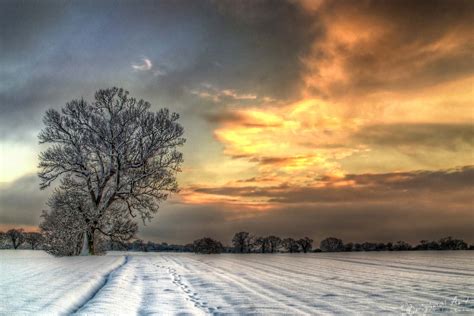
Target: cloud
(436,135)
(21,201)
(294,142)
(228,97)
(394,206)
(366,67)
(356,188)
(405,146)
(373,47)
(144,66)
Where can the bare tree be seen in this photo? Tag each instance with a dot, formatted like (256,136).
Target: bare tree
(3,239)
(402,245)
(207,245)
(123,155)
(242,242)
(449,243)
(331,244)
(138,245)
(262,243)
(274,243)
(34,239)
(16,236)
(251,243)
(305,244)
(290,245)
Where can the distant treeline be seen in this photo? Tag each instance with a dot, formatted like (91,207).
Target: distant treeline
(242,242)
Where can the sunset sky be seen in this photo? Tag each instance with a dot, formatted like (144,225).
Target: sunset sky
(351,119)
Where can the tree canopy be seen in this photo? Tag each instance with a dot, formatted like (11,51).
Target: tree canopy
(112,153)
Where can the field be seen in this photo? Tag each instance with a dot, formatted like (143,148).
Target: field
(32,282)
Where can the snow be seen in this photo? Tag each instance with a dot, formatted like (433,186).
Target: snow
(32,282)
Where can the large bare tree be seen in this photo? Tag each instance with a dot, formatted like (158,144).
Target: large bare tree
(121,154)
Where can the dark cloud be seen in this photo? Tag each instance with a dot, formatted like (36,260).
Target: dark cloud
(226,116)
(185,223)
(54,51)
(409,146)
(222,117)
(365,188)
(26,26)
(273,160)
(449,136)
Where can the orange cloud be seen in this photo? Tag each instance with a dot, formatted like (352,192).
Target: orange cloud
(397,46)
(294,142)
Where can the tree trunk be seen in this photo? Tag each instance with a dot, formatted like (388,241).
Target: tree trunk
(90,239)
(88,247)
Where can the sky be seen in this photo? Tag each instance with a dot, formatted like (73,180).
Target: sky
(351,119)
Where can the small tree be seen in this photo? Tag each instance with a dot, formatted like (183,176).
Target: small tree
(306,244)
(357,247)
(401,246)
(274,242)
(251,243)
(369,246)
(290,245)
(331,244)
(16,236)
(262,243)
(34,240)
(207,245)
(242,242)
(3,238)
(138,245)
(348,246)
(449,243)
(119,152)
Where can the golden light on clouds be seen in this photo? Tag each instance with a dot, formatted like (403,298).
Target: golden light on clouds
(294,142)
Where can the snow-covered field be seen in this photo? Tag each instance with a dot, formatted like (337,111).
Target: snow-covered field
(32,282)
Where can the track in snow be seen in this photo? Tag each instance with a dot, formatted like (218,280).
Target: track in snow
(298,284)
(99,287)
